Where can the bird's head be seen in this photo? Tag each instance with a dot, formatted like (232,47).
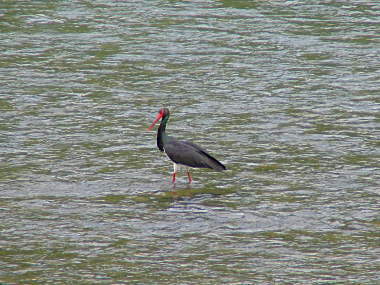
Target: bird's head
(161,114)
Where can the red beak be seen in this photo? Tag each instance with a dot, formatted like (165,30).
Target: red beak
(159,116)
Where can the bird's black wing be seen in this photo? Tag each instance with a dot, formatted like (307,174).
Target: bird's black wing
(190,154)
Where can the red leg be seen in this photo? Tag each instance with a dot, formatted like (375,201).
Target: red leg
(173,180)
(189,176)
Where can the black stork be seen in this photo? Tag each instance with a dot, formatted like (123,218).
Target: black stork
(182,152)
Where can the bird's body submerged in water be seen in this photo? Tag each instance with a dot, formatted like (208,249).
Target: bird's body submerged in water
(182,152)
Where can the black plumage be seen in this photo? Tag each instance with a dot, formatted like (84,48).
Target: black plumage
(190,154)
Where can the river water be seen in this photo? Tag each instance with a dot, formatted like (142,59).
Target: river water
(284,93)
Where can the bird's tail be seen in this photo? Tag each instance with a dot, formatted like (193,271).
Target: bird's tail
(213,163)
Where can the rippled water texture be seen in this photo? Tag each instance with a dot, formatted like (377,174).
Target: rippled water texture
(285,93)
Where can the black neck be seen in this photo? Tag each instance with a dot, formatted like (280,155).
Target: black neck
(161,134)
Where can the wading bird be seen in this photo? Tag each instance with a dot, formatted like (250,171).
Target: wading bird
(182,152)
